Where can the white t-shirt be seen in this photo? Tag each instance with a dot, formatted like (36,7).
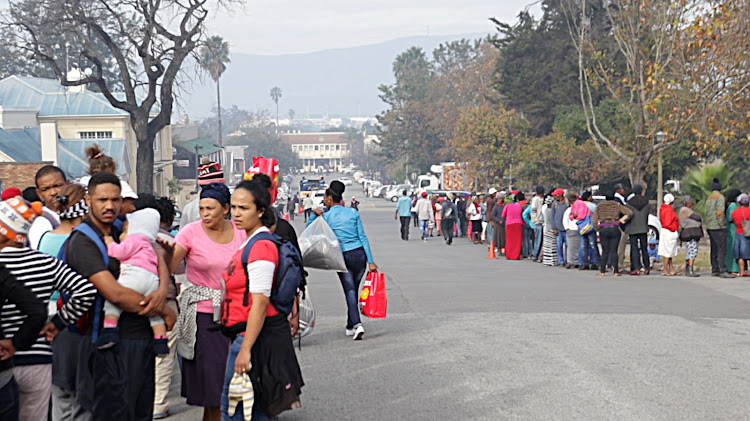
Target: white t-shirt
(45,222)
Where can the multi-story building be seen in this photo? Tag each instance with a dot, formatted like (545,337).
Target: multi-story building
(40,120)
(326,150)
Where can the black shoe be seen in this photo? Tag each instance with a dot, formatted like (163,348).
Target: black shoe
(594,267)
(160,347)
(583,267)
(108,338)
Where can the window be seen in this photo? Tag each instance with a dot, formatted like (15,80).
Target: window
(328,147)
(95,135)
(338,147)
(157,142)
(316,147)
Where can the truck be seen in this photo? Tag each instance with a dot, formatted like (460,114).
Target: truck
(447,176)
(307,187)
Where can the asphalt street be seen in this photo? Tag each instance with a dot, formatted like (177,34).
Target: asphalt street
(478,339)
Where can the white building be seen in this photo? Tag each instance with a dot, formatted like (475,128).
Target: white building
(328,149)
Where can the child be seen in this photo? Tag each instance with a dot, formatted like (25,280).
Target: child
(139,271)
(653,251)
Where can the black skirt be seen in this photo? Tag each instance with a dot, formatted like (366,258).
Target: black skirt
(275,373)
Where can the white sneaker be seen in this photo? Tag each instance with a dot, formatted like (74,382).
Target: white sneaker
(350,332)
(359,331)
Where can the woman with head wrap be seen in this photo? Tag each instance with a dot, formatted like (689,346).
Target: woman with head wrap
(347,225)
(73,208)
(691,231)
(668,235)
(207,246)
(732,204)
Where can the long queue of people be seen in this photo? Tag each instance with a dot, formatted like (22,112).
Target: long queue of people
(562,228)
(133,295)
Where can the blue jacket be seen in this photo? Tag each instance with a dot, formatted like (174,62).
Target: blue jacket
(404,206)
(347,225)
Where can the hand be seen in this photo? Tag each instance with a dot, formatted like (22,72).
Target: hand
(49,331)
(242,362)
(294,324)
(170,317)
(108,240)
(167,244)
(373,267)
(154,303)
(6,349)
(318,211)
(556,233)
(623,220)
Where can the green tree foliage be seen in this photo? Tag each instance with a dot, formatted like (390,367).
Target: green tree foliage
(276,96)
(697,182)
(213,57)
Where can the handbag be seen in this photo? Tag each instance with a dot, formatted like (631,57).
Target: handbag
(584,225)
(745,226)
(373,302)
(431,224)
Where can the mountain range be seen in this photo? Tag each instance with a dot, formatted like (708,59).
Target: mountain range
(339,82)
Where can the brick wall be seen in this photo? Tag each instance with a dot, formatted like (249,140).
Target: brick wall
(19,174)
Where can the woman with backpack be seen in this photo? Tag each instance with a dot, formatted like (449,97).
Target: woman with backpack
(262,364)
(347,226)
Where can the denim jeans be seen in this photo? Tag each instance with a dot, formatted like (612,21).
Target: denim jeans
(562,245)
(356,263)
(538,233)
(588,252)
(526,242)
(258,413)
(423,225)
(489,233)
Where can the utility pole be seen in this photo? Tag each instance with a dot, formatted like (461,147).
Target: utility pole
(660,177)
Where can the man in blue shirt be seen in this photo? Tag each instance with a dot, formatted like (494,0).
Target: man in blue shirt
(403,211)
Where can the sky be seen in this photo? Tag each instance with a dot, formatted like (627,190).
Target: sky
(275,27)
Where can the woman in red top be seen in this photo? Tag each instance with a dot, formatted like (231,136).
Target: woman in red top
(262,332)
(669,234)
(742,243)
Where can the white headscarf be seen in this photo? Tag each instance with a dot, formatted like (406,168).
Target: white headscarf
(668,199)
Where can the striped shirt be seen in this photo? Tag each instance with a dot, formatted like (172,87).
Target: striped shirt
(42,274)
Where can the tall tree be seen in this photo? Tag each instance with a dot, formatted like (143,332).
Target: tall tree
(276,96)
(214,54)
(158,35)
(291,116)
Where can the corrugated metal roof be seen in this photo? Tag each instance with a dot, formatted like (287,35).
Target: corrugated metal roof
(207,146)
(71,155)
(54,100)
(22,145)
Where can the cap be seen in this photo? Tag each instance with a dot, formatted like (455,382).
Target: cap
(11,192)
(558,192)
(16,217)
(210,172)
(492,190)
(653,240)
(126,191)
(424,194)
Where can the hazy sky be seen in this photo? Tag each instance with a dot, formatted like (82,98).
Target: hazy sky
(286,26)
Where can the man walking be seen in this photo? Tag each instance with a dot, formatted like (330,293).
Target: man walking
(307,205)
(463,221)
(425,213)
(537,222)
(637,230)
(558,211)
(403,212)
(449,214)
(716,225)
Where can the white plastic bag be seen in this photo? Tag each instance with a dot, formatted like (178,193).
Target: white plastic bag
(320,247)
(306,314)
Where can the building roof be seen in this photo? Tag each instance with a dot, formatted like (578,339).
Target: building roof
(206,146)
(54,100)
(314,138)
(22,145)
(71,155)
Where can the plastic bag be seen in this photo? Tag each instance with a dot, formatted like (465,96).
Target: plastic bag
(373,301)
(320,247)
(306,315)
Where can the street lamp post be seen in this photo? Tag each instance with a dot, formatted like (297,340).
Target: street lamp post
(660,176)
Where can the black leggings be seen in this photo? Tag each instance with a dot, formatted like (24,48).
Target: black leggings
(610,239)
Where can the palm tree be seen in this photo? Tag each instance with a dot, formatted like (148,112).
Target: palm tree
(292,113)
(214,54)
(697,183)
(275,96)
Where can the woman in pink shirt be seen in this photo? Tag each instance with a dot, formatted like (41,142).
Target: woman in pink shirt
(207,246)
(513,215)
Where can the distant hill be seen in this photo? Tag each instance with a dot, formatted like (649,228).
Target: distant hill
(339,82)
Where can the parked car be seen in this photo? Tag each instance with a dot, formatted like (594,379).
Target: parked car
(396,191)
(346,180)
(376,192)
(318,198)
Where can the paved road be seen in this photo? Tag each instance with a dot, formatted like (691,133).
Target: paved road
(470,338)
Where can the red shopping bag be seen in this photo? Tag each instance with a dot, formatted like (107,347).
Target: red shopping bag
(299,210)
(373,301)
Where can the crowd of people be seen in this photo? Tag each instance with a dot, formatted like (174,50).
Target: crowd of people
(563,228)
(100,293)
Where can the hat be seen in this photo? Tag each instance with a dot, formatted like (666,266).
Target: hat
(668,199)
(16,217)
(558,192)
(548,201)
(241,390)
(492,190)
(653,240)
(744,199)
(210,172)
(467,194)
(424,194)
(144,222)
(126,191)
(11,192)
(716,184)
